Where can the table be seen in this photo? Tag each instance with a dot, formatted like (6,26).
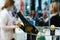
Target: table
(46,32)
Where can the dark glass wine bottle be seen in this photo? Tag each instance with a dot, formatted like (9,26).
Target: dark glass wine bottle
(29,28)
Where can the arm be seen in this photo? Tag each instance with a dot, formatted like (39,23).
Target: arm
(5,21)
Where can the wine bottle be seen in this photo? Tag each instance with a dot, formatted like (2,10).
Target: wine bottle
(29,28)
(52,30)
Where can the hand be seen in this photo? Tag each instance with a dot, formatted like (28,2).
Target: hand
(17,23)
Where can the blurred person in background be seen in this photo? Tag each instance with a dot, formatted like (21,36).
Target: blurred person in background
(32,21)
(44,15)
(46,9)
(31,18)
(54,15)
(31,14)
(35,15)
(6,21)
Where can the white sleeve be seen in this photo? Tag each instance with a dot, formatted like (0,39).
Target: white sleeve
(4,19)
(10,24)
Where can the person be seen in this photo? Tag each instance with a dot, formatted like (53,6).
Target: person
(6,21)
(32,21)
(54,15)
(46,9)
(55,8)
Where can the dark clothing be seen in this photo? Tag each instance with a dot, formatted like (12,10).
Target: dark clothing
(55,20)
(31,37)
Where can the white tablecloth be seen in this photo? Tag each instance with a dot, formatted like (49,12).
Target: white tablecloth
(20,35)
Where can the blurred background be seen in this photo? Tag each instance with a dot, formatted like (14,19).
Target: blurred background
(36,12)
